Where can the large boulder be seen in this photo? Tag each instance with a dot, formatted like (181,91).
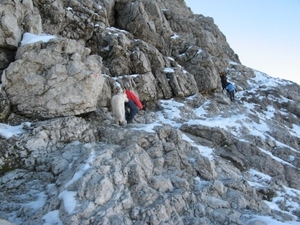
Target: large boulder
(56,78)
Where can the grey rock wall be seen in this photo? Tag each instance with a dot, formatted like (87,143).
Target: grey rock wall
(72,164)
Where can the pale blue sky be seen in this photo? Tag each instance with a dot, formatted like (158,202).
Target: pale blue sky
(264,33)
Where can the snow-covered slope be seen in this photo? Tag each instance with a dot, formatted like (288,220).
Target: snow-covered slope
(260,116)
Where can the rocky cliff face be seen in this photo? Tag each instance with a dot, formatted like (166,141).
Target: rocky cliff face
(193,157)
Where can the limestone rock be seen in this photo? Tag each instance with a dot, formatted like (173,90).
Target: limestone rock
(58,80)
(18,17)
(176,164)
(4,106)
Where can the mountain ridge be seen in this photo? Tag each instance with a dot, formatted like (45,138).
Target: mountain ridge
(193,157)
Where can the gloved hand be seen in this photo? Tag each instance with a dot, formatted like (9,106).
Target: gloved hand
(144,106)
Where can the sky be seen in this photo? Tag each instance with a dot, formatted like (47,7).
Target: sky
(265,34)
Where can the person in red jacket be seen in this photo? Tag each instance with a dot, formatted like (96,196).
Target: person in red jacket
(133,104)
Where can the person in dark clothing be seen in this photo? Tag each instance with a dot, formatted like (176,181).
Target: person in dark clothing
(223,79)
(132,106)
(229,87)
(230,90)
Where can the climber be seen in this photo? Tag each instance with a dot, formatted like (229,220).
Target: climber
(224,82)
(230,90)
(133,104)
(229,87)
